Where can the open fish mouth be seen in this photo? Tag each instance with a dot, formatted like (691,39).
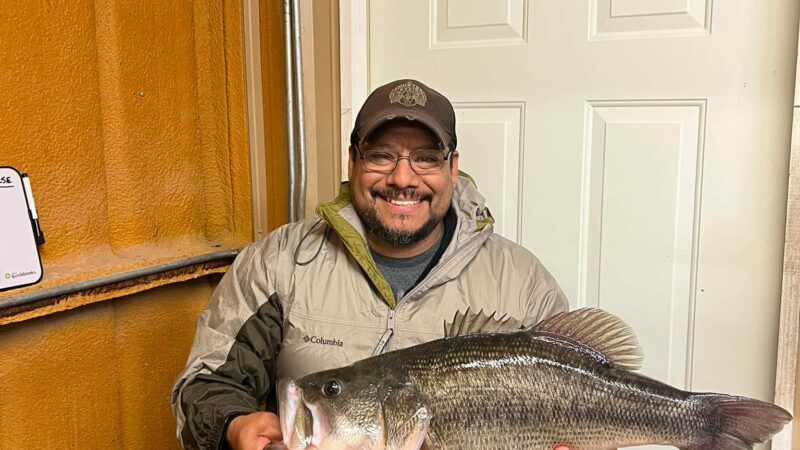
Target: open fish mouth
(303,426)
(309,423)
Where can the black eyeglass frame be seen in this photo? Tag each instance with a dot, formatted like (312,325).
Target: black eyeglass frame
(447,154)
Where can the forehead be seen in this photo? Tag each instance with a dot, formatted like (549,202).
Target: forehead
(398,131)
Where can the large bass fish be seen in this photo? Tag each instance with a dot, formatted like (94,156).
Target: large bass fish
(489,385)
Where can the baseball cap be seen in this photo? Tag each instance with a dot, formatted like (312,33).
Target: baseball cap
(406,99)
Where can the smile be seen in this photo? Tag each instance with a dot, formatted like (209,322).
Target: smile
(403,202)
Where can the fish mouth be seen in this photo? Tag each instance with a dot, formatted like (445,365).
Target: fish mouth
(302,424)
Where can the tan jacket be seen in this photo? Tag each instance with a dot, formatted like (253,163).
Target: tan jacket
(311,294)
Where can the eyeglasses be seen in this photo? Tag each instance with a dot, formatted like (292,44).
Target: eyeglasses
(422,161)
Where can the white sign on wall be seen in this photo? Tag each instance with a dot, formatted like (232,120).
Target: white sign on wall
(20,264)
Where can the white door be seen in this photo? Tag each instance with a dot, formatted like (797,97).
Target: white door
(638,147)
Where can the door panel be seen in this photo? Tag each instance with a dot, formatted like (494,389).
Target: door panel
(455,23)
(490,138)
(639,226)
(629,19)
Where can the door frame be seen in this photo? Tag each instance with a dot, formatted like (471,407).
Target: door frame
(786,373)
(354,68)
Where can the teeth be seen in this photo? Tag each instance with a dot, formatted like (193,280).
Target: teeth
(403,202)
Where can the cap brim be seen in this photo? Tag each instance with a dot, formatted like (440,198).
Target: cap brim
(390,114)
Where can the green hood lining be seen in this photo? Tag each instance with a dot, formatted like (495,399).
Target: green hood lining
(480,224)
(354,242)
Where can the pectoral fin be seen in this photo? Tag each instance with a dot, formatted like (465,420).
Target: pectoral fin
(406,420)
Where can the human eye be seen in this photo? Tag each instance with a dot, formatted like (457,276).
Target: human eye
(381,157)
(428,158)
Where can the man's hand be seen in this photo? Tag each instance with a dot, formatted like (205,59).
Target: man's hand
(256,430)
(253,431)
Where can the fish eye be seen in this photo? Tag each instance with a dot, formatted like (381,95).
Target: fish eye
(332,388)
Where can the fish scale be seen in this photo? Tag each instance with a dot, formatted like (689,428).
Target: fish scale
(566,381)
(539,387)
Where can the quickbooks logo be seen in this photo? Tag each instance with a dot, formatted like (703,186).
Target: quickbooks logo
(19,274)
(322,341)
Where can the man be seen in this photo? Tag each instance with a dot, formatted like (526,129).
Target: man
(406,244)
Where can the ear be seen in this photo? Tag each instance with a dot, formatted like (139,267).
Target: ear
(454,166)
(351,161)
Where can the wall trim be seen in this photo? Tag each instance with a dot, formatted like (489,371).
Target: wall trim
(63,298)
(786,374)
(255,116)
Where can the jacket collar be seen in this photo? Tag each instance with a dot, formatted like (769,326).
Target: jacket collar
(471,212)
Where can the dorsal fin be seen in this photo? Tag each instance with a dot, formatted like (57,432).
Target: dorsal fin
(600,330)
(471,323)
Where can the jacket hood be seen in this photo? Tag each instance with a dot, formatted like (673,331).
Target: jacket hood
(473,218)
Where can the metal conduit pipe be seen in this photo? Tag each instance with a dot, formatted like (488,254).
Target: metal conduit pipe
(287,33)
(301,123)
(116,278)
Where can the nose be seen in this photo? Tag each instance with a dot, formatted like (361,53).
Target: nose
(403,175)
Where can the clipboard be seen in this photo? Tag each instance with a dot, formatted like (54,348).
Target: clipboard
(20,263)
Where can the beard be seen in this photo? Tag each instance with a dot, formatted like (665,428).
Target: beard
(397,238)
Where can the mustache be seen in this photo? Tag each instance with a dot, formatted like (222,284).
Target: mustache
(408,193)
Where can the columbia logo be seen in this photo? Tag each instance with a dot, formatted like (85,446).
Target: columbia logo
(323,341)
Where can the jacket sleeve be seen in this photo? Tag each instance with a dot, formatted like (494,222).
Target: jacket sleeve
(232,365)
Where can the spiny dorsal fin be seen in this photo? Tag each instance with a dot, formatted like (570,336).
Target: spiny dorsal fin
(473,323)
(600,330)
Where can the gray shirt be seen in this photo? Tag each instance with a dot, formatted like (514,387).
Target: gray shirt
(404,273)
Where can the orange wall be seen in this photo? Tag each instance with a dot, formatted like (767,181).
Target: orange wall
(130,118)
(98,377)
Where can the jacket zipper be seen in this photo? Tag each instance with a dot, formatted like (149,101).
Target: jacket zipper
(418,289)
(384,340)
(383,343)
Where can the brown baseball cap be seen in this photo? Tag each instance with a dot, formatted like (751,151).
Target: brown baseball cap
(406,99)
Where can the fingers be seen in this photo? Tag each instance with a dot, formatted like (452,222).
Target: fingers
(254,431)
(270,426)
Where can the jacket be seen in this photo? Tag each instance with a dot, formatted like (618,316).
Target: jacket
(309,297)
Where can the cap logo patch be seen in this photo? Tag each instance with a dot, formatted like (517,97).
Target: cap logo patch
(408,94)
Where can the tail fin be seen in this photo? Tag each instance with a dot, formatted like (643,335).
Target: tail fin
(742,421)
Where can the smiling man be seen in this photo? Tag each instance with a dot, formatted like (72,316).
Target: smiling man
(407,244)
(402,200)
